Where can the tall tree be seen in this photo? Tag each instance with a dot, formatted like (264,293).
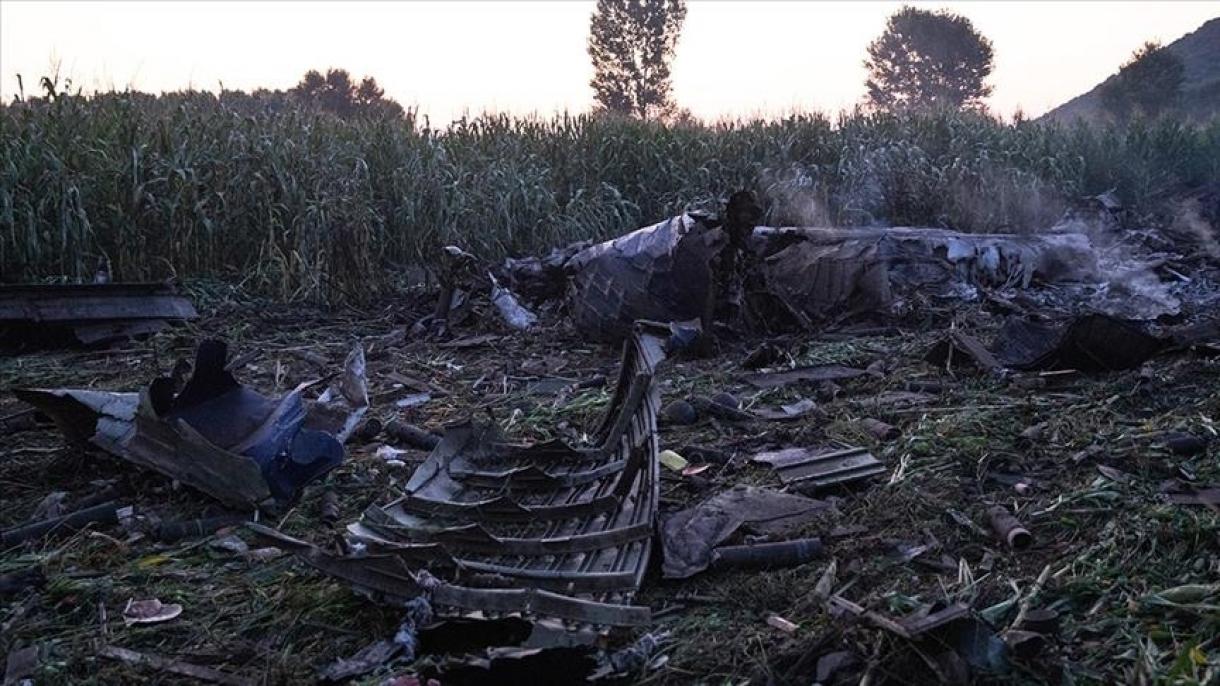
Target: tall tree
(1149,83)
(632,44)
(928,60)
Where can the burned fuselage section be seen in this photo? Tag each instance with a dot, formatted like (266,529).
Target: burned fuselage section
(663,272)
(735,273)
(823,276)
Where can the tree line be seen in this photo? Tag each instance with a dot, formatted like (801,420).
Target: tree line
(922,60)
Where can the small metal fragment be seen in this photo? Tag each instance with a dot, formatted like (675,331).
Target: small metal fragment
(411,435)
(1009,529)
(879,429)
(803,465)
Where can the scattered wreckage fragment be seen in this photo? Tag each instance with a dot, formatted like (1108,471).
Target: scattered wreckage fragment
(104,513)
(546,529)
(1091,343)
(461,275)
(821,469)
(810,374)
(1009,529)
(825,275)
(215,435)
(91,314)
(959,347)
(954,642)
(691,539)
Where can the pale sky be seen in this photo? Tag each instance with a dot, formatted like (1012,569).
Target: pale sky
(733,59)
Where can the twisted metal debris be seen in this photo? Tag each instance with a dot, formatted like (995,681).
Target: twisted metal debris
(544,529)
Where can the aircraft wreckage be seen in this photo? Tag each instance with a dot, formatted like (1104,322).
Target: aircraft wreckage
(546,529)
(731,271)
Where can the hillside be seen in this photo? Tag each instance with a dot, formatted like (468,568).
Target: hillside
(1200,51)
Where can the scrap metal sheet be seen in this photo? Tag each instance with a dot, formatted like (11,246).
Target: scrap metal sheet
(822,468)
(661,272)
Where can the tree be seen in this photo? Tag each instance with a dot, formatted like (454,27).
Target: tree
(632,45)
(338,93)
(368,92)
(928,60)
(311,84)
(1148,84)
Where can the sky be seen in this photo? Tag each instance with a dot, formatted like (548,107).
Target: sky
(733,59)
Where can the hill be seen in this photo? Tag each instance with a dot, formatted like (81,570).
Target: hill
(1200,52)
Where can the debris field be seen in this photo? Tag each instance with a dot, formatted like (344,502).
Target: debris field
(1010,477)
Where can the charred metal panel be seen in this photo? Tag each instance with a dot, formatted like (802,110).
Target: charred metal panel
(824,274)
(1090,343)
(662,272)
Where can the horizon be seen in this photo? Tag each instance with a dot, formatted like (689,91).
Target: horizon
(1043,55)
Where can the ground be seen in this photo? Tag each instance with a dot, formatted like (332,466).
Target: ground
(1105,538)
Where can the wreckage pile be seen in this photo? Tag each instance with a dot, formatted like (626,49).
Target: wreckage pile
(894,455)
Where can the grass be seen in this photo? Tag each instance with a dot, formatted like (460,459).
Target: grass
(297,204)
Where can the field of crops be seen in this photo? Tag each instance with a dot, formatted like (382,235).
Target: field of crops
(300,205)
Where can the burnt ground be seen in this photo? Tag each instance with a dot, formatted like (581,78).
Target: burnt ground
(1106,540)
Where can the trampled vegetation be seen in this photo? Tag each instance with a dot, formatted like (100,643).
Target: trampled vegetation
(306,205)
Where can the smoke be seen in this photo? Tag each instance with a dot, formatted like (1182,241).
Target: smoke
(796,198)
(1189,221)
(1139,293)
(1130,287)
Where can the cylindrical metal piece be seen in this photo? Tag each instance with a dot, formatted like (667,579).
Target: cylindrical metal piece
(368,430)
(879,429)
(169,532)
(1009,529)
(105,513)
(329,507)
(1184,444)
(411,435)
(1041,620)
(767,555)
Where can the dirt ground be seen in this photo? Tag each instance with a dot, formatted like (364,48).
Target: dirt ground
(1105,538)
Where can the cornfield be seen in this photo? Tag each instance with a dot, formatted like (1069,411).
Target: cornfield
(301,205)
